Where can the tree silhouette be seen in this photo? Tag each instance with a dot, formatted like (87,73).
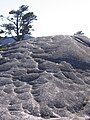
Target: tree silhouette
(19,24)
(79,33)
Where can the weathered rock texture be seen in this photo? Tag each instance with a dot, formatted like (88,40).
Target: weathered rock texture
(46,78)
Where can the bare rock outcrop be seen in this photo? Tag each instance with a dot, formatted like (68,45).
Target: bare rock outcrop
(46,78)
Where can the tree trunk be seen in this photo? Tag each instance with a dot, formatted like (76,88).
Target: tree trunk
(17,29)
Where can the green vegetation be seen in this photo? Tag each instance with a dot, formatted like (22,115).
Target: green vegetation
(3,48)
(19,24)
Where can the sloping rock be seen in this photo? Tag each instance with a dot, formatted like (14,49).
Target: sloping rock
(46,78)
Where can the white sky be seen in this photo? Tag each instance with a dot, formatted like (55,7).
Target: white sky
(55,17)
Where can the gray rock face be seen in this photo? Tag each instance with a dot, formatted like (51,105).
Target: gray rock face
(46,78)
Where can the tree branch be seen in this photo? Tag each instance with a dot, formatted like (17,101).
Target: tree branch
(11,21)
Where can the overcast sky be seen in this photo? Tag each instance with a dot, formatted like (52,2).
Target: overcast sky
(55,17)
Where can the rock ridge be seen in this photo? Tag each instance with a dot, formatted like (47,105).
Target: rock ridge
(46,78)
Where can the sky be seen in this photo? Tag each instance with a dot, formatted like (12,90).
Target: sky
(54,17)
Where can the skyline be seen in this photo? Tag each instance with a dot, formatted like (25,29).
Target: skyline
(54,17)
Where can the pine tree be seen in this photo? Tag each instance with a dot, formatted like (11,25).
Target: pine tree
(20,24)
